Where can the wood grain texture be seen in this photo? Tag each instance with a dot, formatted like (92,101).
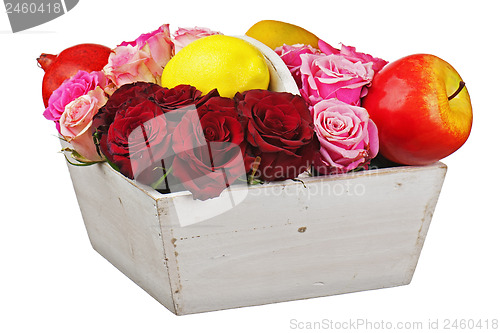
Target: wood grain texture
(282,241)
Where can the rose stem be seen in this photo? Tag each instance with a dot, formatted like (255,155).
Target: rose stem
(461,86)
(255,167)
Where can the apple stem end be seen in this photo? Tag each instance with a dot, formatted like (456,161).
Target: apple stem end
(461,86)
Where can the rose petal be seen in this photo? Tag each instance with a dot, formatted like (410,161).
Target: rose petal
(348,138)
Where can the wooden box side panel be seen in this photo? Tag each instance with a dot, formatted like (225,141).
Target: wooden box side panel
(122,224)
(331,237)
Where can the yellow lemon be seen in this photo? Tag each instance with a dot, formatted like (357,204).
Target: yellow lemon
(227,63)
(276,33)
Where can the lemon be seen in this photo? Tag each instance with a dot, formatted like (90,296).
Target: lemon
(276,33)
(227,63)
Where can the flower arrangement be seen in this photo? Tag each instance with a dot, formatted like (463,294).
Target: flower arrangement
(176,138)
(333,111)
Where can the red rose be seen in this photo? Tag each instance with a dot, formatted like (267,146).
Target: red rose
(138,142)
(126,96)
(135,126)
(180,96)
(176,101)
(279,131)
(208,145)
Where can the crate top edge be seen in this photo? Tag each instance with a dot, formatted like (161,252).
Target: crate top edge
(154,194)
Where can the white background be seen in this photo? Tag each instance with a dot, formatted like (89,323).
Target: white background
(52,281)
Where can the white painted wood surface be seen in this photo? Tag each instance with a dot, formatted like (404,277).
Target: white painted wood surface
(283,241)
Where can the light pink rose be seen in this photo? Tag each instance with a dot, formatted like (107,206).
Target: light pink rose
(349,52)
(78,85)
(127,64)
(142,59)
(347,136)
(290,54)
(334,76)
(184,36)
(76,122)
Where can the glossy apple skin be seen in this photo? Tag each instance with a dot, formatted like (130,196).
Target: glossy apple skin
(408,101)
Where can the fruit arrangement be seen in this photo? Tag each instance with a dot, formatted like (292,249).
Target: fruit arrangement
(199,110)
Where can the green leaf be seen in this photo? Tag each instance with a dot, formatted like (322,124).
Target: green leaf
(78,164)
(81,161)
(111,164)
(162,178)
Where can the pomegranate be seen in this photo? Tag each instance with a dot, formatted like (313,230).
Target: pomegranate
(86,57)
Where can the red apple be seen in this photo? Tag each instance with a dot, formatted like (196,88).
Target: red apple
(421,108)
(85,57)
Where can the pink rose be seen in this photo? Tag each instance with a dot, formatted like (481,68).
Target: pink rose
(184,36)
(76,121)
(78,85)
(290,54)
(127,64)
(347,136)
(142,59)
(349,52)
(157,44)
(334,76)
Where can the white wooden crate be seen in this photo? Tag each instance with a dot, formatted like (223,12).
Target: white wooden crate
(281,241)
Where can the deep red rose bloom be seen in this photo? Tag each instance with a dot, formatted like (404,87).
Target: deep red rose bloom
(135,126)
(132,132)
(208,145)
(138,142)
(180,96)
(176,101)
(280,131)
(124,97)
